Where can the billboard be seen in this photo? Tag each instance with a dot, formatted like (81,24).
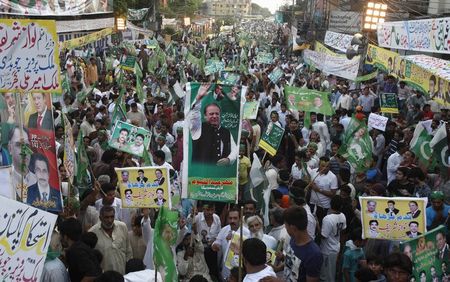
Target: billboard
(55,8)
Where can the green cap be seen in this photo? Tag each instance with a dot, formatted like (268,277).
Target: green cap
(437,195)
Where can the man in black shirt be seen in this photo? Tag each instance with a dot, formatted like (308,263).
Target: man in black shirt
(81,260)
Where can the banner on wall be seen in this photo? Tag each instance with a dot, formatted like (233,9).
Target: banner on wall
(398,218)
(213,118)
(429,254)
(338,41)
(56,8)
(84,40)
(429,35)
(345,21)
(29,56)
(24,241)
(144,187)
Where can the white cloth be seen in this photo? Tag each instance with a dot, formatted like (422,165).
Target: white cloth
(255,277)
(327,182)
(146,275)
(211,231)
(393,163)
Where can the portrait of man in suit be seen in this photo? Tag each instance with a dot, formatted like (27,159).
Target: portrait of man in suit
(129,197)
(42,191)
(391,210)
(413,230)
(42,118)
(159,177)
(414,211)
(442,246)
(141,177)
(159,200)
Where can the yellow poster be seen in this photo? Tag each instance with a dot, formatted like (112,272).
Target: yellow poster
(144,187)
(30,56)
(384,59)
(323,49)
(399,218)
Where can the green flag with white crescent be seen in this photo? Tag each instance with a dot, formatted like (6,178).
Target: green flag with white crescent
(439,145)
(420,144)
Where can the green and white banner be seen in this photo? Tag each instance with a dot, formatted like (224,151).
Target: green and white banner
(299,99)
(251,110)
(213,118)
(275,75)
(213,66)
(271,139)
(264,58)
(388,103)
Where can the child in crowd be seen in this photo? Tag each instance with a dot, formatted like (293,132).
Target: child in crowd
(354,257)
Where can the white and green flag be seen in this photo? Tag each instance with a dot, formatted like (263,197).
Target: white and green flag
(439,145)
(420,143)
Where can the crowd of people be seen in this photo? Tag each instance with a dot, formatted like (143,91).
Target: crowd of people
(314,221)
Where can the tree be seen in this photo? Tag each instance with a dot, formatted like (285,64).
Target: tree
(258,10)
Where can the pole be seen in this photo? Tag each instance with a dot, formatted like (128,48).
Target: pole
(241,229)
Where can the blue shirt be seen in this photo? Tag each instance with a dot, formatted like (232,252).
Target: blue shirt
(283,189)
(351,261)
(302,261)
(431,214)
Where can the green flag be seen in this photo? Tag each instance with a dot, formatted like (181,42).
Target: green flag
(152,64)
(137,71)
(420,144)
(439,145)
(148,160)
(357,146)
(81,176)
(300,99)
(140,90)
(119,112)
(65,84)
(165,237)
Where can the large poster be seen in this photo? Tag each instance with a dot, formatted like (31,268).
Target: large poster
(29,55)
(213,117)
(345,21)
(271,139)
(300,99)
(129,138)
(56,8)
(399,218)
(338,41)
(144,187)
(429,35)
(24,240)
(430,255)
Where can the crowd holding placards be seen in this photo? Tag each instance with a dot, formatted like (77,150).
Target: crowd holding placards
(240,137)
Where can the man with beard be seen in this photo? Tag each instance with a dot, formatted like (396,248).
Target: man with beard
(226,233)
(113,241)
(255,226)
(81,260)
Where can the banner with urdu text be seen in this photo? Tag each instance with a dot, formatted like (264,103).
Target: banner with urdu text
(24,240)
(56,8)
(29,56)
(213,118)
(301,99)
(84,40)
(397,218)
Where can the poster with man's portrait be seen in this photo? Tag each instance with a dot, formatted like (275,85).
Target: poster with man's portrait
(212,133)
(144,187)
(129,138)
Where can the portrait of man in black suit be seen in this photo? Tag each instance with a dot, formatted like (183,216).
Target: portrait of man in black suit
(211,142)
(141,177)
(414,211)
(442,246)
(41,191)
(42,118)
(391,210)
(159,177)
(413,230)
(159,200)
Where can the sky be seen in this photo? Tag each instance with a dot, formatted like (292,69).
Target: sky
(272,5)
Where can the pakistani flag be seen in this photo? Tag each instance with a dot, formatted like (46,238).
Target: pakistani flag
(420,143)
(357,146)
(81,176)
(439,145)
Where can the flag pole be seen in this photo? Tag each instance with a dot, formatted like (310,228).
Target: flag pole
(240,242)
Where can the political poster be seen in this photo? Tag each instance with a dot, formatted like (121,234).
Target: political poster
(29,56)
(129,138)
(251,110)
(275,75)
(213,118)
(388,103)
(271,139)
(300,99)
(399,218)
(264,58)
(332,63)
(55,8)
(84,40)
(338,41)
(366,77)
(429,254)
(69,159)
(24,240)
(128,63)
(213,66)
(227,77)
(377,122)
(426,35)
(144,187)
(345,21)
(6,187)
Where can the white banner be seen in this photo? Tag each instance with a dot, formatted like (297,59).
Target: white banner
(346,22)
(25,238)
(333,64)
(430,35)
(338,41)
(377,121)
